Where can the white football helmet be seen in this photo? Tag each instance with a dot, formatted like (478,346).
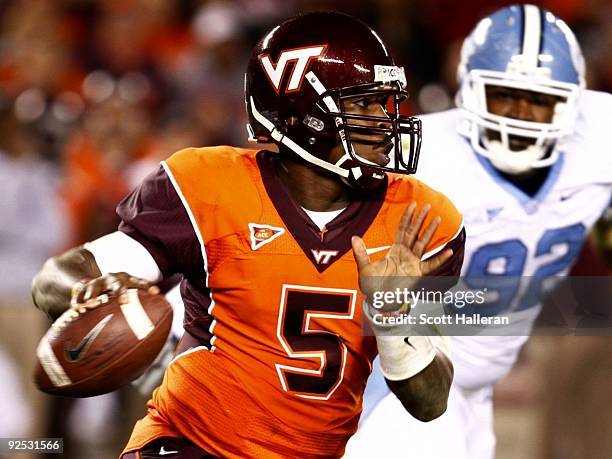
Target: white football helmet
(524,47)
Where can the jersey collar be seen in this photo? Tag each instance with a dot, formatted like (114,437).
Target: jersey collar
(336,236)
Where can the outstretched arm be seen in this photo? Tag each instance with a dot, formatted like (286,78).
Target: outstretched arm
(418,369)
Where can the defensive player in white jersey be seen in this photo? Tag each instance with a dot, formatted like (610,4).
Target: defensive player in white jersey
(526,158)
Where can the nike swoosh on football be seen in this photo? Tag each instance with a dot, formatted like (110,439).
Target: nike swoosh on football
(163,452)
(74,355)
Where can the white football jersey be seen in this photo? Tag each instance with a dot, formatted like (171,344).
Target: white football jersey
(507,232)
(511,233)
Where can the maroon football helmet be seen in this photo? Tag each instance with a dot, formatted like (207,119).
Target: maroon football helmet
(298,80)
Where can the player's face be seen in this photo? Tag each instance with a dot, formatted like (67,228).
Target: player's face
(374,147)
(522,105)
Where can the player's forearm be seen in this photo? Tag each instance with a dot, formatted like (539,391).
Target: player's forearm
(425,394)
(415,364)
(51,287)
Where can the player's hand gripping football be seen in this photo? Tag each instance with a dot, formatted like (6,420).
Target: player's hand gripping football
(85,293)
(404,256)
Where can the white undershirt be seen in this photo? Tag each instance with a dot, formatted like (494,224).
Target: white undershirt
(322,218)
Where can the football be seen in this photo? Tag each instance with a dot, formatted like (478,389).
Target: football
(102,344)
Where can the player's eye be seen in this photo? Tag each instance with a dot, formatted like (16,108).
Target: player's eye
(364,102)
(544,99)
(502,94)
(368,102)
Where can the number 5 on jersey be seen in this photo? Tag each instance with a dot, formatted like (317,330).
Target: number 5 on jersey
(303,340)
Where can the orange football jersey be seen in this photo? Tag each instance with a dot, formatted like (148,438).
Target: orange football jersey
(279,360)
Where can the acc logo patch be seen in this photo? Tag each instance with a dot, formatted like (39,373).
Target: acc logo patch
(301,58)
(263,234)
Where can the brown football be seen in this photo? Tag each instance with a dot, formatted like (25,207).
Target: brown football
(104,344)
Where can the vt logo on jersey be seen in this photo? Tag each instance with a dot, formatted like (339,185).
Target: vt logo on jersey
(323,256)
(301,57)
(263,234)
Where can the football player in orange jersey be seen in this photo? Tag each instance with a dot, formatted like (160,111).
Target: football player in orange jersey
(274,360)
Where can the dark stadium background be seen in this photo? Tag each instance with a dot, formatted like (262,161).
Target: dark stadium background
(93,93)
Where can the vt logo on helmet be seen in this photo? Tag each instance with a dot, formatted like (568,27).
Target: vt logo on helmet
(301,56)
(302,79)
(527,55)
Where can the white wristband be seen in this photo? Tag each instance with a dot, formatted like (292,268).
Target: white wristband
(402,356)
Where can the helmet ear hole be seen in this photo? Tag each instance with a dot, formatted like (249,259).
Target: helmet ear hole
(292,120)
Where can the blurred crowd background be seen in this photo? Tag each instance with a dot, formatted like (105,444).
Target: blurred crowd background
(94,93)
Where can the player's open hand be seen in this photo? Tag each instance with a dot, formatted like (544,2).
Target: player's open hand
(110,284)
(404,257)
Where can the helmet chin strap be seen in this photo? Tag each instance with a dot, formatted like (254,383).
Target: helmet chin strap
(350,172)
(278,136)
(359,175)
